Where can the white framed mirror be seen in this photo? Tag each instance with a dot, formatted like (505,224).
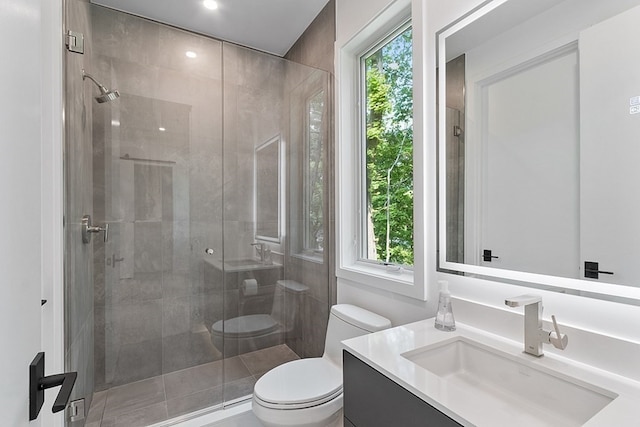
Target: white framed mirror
(539,154)
(268,190)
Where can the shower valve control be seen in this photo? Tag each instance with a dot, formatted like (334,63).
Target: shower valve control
(88,229)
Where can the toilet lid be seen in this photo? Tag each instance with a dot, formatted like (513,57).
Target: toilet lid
(299,384)
(246,326)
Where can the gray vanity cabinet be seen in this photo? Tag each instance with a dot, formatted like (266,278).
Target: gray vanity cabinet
(373,400)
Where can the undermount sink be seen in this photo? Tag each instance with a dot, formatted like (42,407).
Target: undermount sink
(509,386)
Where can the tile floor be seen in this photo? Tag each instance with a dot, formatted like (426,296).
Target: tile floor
(243,420)
(177,393)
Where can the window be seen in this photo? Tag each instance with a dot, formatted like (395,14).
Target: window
(386,81)
(387,49)
(313,234)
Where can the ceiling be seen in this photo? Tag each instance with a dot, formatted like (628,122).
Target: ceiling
(271,26)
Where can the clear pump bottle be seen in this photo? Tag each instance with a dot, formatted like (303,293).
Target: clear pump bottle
(444,316)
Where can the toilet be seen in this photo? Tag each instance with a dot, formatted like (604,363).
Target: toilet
(244,334)
(308,392)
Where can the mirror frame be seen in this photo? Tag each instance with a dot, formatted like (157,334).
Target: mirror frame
(598,290)
(278,141)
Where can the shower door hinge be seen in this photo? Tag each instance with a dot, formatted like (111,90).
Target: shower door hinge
(75,41)
(76,410)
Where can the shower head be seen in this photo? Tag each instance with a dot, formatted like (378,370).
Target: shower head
(106,95)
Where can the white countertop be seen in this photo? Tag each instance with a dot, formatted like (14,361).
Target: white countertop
(383,351)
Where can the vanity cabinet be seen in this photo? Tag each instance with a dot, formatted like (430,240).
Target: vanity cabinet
(373,400)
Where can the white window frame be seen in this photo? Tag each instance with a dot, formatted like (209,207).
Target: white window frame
(350,266)
(362,190)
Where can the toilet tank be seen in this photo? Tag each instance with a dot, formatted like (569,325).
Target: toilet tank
(287,303)
(348,321)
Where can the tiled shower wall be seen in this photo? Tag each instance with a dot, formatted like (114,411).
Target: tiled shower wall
(315,48)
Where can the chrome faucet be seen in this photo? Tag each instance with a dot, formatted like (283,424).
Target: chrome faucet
(261,248)
(534,335)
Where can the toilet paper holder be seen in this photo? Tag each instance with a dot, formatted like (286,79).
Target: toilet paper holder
(249,287)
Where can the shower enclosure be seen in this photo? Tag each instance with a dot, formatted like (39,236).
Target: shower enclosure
(208,171)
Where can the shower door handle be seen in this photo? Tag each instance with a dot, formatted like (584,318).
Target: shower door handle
(38,383)
(88,228)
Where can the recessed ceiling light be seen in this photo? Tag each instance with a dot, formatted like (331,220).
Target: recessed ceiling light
(210,4)
(115,122)
(161,129)
(190,54)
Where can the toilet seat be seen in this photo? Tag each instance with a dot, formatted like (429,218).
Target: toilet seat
(299,384)
(245,326)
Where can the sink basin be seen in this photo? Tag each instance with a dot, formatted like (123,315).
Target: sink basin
(243,262)
(510,389)
(238,265)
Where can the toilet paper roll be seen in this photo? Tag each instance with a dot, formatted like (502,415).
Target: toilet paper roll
(249,287)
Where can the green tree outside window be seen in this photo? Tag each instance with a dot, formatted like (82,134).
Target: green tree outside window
(389,151)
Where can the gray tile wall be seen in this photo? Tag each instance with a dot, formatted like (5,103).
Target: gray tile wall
(258,105)
(253,115)
(315,48)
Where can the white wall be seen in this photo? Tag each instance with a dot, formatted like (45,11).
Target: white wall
(507,137)
(591,324)
(609,166)
(351,17)
(52,319)
(30,185)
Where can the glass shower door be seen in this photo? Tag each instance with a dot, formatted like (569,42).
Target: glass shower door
(207,234)
(158,183)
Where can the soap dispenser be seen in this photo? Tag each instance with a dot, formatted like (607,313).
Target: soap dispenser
(444,316)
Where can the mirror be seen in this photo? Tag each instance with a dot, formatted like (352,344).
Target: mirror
(267,190)
(538,146)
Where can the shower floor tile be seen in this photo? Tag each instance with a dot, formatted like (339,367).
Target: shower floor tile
(166,396)
(260,361)
(134,396)
(201,377)
(243,420)
(138,418)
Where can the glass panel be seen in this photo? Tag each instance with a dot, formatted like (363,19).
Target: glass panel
(388,80)
(157,158)
(174,291)
(276,299)
(78,257)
